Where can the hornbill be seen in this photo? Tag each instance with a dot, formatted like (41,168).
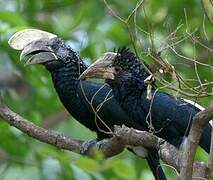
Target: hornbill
(166,116)
(92,104)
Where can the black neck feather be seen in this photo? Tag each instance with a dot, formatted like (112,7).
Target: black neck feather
(66,78)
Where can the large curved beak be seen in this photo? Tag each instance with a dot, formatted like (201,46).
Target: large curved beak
(35,45)
(101,68)
(38,52)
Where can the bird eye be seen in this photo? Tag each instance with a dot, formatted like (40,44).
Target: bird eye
(117,69)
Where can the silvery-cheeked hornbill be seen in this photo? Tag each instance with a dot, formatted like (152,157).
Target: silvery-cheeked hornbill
(65,67)
(164,115)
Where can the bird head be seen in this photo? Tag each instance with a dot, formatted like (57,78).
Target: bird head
(40,47)
(120,68)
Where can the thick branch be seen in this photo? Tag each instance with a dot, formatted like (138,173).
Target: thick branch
(124,136)
(3,156)
(168,153)
(189,146)
(13,81)
(210,164)
(55,119)
(109,148)
(36,132)
(206,9)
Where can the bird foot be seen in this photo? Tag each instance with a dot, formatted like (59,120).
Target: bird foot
(87,144)
(160,142)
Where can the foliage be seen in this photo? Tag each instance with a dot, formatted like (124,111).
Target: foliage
(178,30)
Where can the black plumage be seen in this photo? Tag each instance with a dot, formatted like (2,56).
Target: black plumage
(65,67)
(165,116)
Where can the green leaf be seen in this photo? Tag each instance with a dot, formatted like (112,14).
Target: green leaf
(12,18)
(88,164)
(79,173)
(124,169)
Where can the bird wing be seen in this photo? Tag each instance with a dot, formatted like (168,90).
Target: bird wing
(175,115)
(100,100)
(168,111)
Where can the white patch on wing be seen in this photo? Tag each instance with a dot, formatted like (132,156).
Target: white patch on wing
(194,104)
(197,106)
(139,151)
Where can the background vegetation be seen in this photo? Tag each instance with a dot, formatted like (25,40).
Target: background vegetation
(177,30)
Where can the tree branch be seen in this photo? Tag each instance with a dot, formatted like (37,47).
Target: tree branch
(3,156)
(200,120)
(210,164)
(109,148)
(55,119)
(36,132)
(11,80)
(206,10)
(123,137)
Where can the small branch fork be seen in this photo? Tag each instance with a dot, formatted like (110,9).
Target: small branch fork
(123,137)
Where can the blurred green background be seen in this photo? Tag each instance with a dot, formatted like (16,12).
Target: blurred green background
(90,29)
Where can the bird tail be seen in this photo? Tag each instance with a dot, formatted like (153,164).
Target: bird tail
(205,139)
(154,164)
